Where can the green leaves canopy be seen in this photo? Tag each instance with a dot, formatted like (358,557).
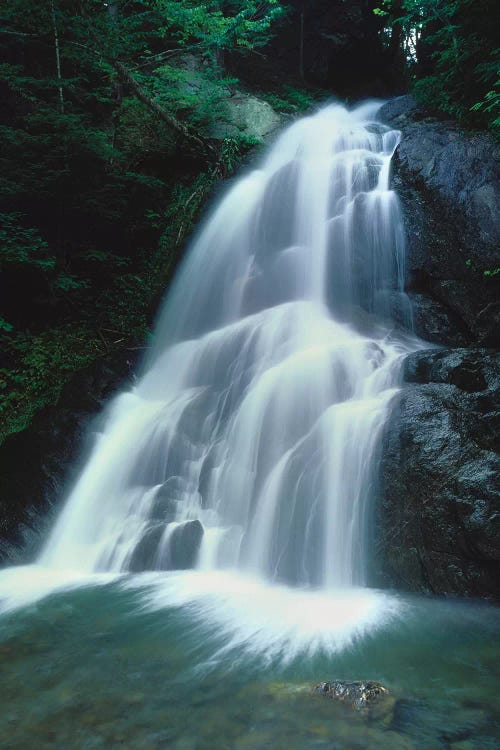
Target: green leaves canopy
(457,69)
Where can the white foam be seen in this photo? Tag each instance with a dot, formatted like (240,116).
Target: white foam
(27,584)
(269,621)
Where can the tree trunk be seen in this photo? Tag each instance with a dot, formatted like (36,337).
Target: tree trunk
(58,58)
(396,44)
(301,43)
(117,86)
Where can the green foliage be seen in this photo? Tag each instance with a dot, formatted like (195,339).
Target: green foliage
(179,218)
(193,92)
(233,149)
(456,59)
(43,363)
(98,188)
(489,104)
(22,246)
(489,272)
(5,326)
(219,24)
(293,100)
(119,314)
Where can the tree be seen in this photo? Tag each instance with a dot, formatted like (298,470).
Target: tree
(106,108)
(71,71)
(452,50)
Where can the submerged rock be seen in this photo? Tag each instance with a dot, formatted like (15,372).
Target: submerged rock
(360,694)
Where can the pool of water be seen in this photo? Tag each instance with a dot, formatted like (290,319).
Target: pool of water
(196,662)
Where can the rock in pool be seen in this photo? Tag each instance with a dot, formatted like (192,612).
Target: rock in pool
(360,694)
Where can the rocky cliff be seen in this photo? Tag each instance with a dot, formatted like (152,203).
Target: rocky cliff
(438,514)
(448,182)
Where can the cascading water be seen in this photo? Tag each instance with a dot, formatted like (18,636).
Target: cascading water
(239,468)
(249,441)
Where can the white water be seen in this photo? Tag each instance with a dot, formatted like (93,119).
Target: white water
(250,442)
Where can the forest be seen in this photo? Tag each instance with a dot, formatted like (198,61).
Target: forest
(249,374)
(108,149)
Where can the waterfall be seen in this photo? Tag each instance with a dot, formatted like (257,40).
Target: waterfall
(250,440)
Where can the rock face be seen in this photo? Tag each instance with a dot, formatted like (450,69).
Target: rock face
(438,520)
(462,168)
(36,464)
(438,511)
(449,185)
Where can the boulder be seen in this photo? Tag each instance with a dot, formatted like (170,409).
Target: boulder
(167,498)
(177,551)
(438,512)
(247,115)
(146,551)
(185,545)
(360,695)
(237,113)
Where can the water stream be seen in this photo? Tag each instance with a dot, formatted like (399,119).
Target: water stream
(248,443)
(227,498)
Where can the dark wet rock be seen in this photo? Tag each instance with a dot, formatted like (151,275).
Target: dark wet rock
(438,509)
(144,556)
(185,545)
(360,695)
(167,498)
(471,370)
(433,321)
(178,551)
(461,167)
(38,464)
(448,183)
(438,515)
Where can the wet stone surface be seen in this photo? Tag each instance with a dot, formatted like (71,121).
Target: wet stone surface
(360,694)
